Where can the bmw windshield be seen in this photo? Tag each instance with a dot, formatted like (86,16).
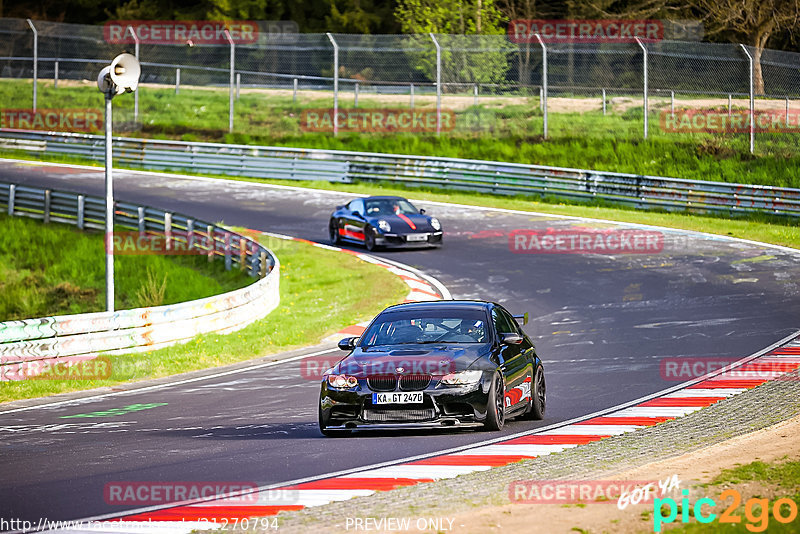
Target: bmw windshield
(422,328)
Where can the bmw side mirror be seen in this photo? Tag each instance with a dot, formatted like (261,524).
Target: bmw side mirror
(510,339)
(349,343)
(422,211)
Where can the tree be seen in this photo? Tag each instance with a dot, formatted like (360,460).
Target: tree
(470,60)
(753,22)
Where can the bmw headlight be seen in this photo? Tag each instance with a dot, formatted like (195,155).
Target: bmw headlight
(436,224)
(384,225)
(342,381)
(462,378)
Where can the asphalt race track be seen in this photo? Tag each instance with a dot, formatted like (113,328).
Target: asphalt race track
(602,324)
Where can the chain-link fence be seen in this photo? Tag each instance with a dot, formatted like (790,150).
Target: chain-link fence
(719,97)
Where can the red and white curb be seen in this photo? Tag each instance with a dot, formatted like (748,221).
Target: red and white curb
(769,364)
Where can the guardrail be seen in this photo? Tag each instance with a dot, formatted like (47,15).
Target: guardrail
(639,191)
(30,346)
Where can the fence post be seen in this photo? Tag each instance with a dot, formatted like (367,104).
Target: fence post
(604,102)
(55,75)
(543,99)
(786,125)
(355,91)
(644,76)
(412,96)
(672,103)
(177,80)
(335,83)
(35,61)
(230,90)
(752,101)
(135,93)
(438,84)
(294,91)
(730,104)
(81,211)
(475,95)
(238,84)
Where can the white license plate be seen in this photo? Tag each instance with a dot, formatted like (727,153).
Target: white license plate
(417,237)
(397,397)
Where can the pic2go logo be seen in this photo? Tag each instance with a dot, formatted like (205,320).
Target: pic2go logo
(756,511)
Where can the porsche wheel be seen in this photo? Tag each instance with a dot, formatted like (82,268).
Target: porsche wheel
(369,238)
(333,232)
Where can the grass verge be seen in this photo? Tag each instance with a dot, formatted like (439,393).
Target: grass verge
(321,292)
(56,269)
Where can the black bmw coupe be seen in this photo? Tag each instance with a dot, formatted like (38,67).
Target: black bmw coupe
(431,365)
(384,221)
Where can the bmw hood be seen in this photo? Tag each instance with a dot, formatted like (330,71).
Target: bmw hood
(433,359)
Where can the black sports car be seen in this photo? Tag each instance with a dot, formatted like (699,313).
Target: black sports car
(384,222)
(434,364)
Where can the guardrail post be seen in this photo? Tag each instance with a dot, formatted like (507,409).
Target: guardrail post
(35,61)
(141,220)
(238,84)
(189,234)
(543,99)
(644,91)
(227,251)
(752,102)
(81,211)
(230,91)
(475,95)
(47,196)
(212,243)
(177,80)
(168,229)
(55,75)
(12,190)
(355,95)
(294,91)
(730,104)
(263,264)
(672,103)
(438,84)
(242,254)
(335,83)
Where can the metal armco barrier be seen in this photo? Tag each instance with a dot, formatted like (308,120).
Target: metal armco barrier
(31,345)
(640,191)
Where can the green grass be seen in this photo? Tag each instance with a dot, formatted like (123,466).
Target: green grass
(55,269)
(783,478)
(506,131)
(322,291)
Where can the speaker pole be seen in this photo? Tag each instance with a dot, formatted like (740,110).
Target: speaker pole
(109,207)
